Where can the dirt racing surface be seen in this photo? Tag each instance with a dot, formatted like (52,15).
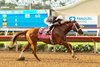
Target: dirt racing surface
(8,59)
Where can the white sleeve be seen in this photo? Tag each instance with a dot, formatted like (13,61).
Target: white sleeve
(59,17)
(46,22)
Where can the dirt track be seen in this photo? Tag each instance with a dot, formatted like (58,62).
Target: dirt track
(8,59)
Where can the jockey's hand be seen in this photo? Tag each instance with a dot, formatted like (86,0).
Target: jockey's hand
(55,23)
(47,32)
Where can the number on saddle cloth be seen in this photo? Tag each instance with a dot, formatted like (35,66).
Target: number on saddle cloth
(42,34)
(42,30)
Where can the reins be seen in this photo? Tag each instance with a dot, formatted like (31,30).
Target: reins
(74,24)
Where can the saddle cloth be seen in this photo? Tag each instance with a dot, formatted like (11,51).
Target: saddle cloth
(42,33)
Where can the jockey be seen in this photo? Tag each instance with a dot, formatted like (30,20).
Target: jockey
(51,21)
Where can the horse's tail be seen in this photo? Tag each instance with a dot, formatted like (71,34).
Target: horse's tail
(18,34)
(14,38)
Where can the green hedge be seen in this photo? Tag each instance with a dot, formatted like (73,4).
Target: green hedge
(76,48)
(41,47)
(83,48)
(59,48)
(2,45)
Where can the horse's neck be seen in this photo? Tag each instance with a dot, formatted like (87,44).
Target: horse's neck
(65,28)
(68,28)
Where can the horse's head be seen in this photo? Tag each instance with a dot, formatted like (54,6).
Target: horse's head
(76,27)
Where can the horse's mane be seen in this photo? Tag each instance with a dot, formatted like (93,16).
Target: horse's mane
(65,22)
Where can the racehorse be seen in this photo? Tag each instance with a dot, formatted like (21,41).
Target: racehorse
(58,36)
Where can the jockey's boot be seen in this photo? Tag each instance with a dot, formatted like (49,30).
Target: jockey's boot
(48,31)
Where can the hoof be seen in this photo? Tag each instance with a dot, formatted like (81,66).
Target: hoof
(73,56)
(21,59)
(10,48)
(39,60)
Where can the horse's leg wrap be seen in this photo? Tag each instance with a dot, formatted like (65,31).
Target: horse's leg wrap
(21,55)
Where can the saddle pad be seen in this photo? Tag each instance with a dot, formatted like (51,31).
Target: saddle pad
(42,33)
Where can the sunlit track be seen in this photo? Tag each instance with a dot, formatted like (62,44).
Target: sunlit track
(8,59)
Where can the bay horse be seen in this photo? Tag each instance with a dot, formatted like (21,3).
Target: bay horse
(58,35)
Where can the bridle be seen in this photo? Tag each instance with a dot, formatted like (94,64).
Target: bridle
(77,29)
(74,25)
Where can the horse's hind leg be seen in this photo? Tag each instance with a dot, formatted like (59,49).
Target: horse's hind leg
(69,48)
(21,57)
(34,51)
(33,43)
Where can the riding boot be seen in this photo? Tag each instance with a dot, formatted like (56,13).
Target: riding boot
(50,28)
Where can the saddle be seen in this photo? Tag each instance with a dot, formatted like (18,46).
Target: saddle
(42,34)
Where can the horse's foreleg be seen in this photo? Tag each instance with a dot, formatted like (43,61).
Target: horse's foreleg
(72,51)
(21,56)
(69,48)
